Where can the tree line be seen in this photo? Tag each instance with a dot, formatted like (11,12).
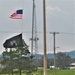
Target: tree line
(19,60)
(63,61)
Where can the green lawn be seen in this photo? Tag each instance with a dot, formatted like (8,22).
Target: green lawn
(51,72)
(58,72)
(66,72)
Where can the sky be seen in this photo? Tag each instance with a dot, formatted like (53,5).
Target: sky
(59,18)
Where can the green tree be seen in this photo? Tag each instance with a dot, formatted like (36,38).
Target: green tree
(62,60)
(8,60)
(19,58)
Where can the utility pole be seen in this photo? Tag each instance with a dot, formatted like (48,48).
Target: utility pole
(54,33)
(44,30)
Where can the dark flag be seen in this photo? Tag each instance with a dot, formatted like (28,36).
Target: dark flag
(13,42)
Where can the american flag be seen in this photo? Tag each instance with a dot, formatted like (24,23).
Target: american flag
(17,14)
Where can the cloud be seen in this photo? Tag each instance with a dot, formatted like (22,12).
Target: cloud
(53,10)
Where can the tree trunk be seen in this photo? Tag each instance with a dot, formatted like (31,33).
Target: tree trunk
(20,72)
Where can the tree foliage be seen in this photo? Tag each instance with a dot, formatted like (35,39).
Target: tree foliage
(19,59)
(62,60)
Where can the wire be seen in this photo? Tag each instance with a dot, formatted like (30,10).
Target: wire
(66,33)
(37,32)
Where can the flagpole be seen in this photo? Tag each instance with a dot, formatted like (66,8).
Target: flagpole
(44,30)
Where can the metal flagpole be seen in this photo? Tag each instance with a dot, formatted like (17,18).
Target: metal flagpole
(32,39)
(44,29)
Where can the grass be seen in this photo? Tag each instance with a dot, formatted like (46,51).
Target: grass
(51,72)
(58,72)
(65,72)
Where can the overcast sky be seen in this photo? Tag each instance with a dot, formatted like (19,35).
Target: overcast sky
(59,17)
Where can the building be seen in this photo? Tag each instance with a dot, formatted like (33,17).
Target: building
(72,66)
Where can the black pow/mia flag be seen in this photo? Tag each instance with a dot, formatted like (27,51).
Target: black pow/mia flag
(13,42)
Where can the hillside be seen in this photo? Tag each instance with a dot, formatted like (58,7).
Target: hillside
(51,55)
(71,54)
